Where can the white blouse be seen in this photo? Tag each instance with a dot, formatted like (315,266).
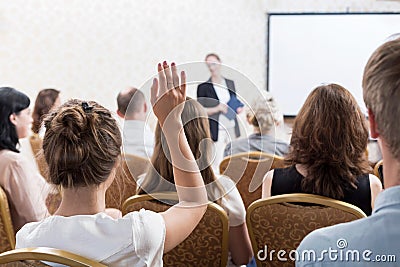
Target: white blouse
(137,239)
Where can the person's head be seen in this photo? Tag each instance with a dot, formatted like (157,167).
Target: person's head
(131,104)
(195,125)
(381,88)
(330,139)
(15,117)
(82,144)
(213,63)
(264,114)
(46,100)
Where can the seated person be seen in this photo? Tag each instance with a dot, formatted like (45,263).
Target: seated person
(371,241)
(82,147)
(264,116)
(138,139)
(220,189)
(25,188)
(46,100)
(327,155)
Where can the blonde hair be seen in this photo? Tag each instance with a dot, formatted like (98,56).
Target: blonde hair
(264,113)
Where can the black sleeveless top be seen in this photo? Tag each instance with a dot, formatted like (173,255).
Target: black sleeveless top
(288,181)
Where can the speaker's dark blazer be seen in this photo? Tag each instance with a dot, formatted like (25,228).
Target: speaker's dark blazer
(207,97)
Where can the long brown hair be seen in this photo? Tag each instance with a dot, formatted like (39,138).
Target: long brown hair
(44,102)
(330,139)
(195,121)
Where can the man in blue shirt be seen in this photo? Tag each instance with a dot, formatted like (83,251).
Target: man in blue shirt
(373,241)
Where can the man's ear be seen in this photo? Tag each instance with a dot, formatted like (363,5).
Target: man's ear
(120,114)
(145,107)
(13,119)
(372,124)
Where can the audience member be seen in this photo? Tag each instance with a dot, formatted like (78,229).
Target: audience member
(82,147)
(264,116)
(160,178)
(327,155)
(46,100)
(138,138)
(214,95)
(377,237)
(25,188)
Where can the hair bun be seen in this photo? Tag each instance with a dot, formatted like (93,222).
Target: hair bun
(70,123)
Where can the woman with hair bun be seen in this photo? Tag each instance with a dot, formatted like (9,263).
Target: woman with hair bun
(327,155)
(82,147)
(26,189)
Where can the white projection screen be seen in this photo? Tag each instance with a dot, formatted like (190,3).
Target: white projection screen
(307,50)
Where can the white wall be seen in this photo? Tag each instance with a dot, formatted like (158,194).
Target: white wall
(93,49)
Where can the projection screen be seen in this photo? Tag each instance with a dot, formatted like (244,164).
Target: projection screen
(306,50)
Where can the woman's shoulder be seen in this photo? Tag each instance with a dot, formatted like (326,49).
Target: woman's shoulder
(9,158)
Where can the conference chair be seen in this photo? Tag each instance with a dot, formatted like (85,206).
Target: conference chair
(123,186)
(247,170)
(281,222)
(207,245)
(40,256)
(137,165)
(7,235)
(378,170)
(36,145)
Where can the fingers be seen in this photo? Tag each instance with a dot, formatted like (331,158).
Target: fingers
(183,84)
(163,81)
(168,76)
(175,78)
(154,92)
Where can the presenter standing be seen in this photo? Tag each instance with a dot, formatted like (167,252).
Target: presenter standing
(218,96)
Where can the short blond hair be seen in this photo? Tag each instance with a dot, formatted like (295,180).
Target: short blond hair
(381,88)
(264,113)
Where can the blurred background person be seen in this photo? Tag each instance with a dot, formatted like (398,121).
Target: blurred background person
(265,117)
(138,139)
(218,96)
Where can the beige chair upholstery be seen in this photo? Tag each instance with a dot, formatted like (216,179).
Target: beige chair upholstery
(207,245)
(281,222)
(247,170)
(123,186)
(7,235)
(36,144)
(137,165)
(33,256)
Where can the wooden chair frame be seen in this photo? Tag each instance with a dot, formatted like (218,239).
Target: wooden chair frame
(6,218)
(250,189)
(376,169)
(47,254)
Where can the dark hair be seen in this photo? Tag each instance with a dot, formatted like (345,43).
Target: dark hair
(11,101)
(81,145)
(44,102)
(130,101)
(213,55)
(330,139)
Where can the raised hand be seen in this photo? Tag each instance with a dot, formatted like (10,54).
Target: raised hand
(168,94)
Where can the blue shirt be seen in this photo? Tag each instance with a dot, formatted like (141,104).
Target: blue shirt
(373,241)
